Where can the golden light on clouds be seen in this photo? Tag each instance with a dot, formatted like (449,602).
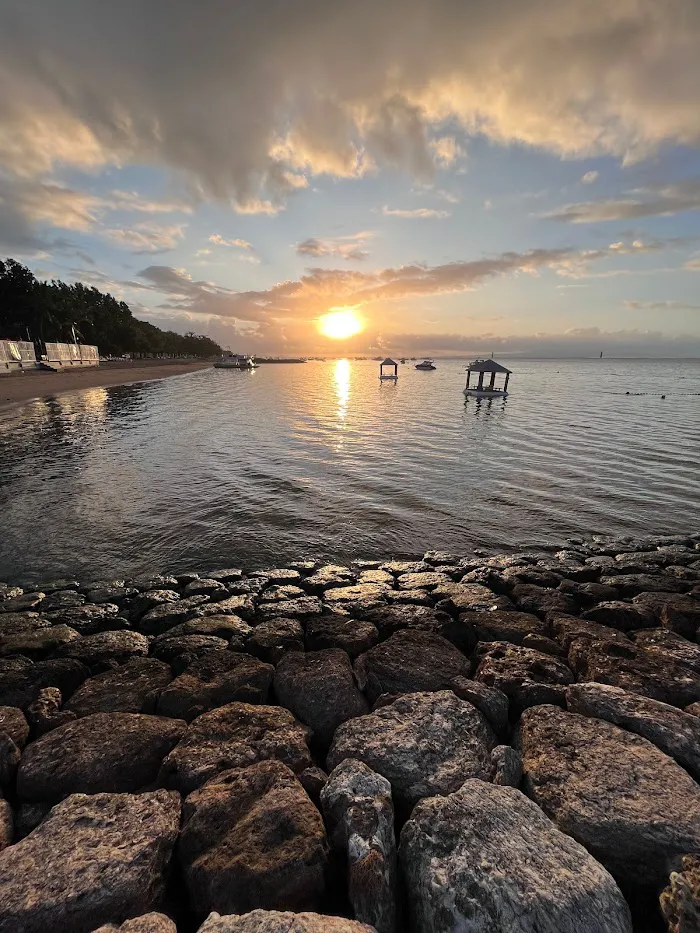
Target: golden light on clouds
(340,323)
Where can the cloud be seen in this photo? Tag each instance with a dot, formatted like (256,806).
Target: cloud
(660,306)
(693,264)
(246,105)
(653,201)
(148,237)
(590,177)
(133,201)
(344,247)
(422,213)
(218,240)
(446,151)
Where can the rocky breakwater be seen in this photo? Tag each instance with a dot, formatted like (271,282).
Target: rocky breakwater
(492,744)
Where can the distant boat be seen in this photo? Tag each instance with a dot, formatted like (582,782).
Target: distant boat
(601,354)
(482,367)
(235,361)
(426,364)
(403,359)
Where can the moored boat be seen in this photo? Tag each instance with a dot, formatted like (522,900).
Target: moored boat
(235,361)
(426,364)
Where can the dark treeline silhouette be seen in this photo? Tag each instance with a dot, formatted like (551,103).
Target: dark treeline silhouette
(47,311)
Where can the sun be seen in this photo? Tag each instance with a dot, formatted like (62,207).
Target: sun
(340,323)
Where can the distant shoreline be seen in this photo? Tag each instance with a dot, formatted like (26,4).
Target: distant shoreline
(17,390)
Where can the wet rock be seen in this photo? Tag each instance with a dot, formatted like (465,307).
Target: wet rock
(680,900)
(567,629)
(147,583)
(528,677)
(111,594)
(630,805)
(407,598)
(436,558)
(506,766)
(21,685)
(284,576)
(38,643)
(541,601)
(423,581)
(326,577)
(632,584)
(7,828)
(105,649)
(148,923)
(398,567)
(674,732)
(63,599)
(273,594)
(271,640)
(21,603)
(679,614)
(218,677)
(422,743)
(218,626)
(273,921)
(469,597)
(360,815)
(9,760)
(390,619)
(625,617)
(633,669)
(11,623)
(484,858)
(301,608)
(184,650)
(332,630)
(131,688)
(105,752)
(663,645)
(235,736)
(319,688)
(252,839)
(378,577)
(93,860)
(149,600)
(409,662)
(205,587)
(504,626)
(45,713)
(313,780)
(535,576)
(363,594)
(489,701)
(168,614)
(228,575)
(14,724)
(587,594)
(89,619)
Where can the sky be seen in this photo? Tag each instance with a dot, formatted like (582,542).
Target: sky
(469,176)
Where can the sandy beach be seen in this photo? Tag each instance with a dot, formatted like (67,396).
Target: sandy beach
(17,389)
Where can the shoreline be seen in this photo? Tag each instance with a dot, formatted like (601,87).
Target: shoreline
(17,390)
(218,723)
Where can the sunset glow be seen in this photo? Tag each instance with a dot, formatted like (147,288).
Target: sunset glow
(340,324)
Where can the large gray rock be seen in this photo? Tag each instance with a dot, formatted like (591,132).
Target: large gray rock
(333,630)
(149,600)
(660,644)
(37,643)
(677,613)
(409,662)
(14,724)
(167,614)
(632,807)
(527,676)
(485,859)
(105,752)
(219,626)
(235,736)
(184,650)
(89,619)
(359,811)
(105,650)
(241,605)
(148,923)
(320,689)
(217,678)
(676,733)
(566,629)
(131,688)
(273,921)
(271,640)
(391,619)
(93,860)
(422,743)
(488,700)
(302,608)
(626,617)
(469,597)
(252,838)
(680,900)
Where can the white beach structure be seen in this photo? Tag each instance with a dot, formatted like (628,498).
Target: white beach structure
(489,390)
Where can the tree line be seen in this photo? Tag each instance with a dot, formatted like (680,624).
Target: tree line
(48,311)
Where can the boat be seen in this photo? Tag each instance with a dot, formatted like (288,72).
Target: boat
(491,390)
(426,364)
(403,359)
(235,361)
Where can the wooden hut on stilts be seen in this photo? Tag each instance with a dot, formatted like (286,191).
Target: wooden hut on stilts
(390,364)
(490,390)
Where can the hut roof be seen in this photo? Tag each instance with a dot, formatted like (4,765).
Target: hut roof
(389,362)
(486,366)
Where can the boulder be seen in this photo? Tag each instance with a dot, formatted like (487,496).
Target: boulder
(313,780)
(283,576)
(252,839)
(566,629)
(148,583)
(204,586)
(14,724)
(273,921)
(45,713)
(506,766)
(11,623)
(141,604)
(423,581)
(359,812)
(485,859)
(235,736)
(89,619)
(148,923)
(504,626)
(111,594)
(9,759)
(217,678)
(105,649)
(319,688)
(528,677)
(7,828)
(545,645)
(676,733)
(469,597)
(409,662)
(227,575)
(680,900)
(632,584)
(630,805)
(62,599)
(635,670)
(380,577)
(663,645)
(488,700)
(271,640)
(587,594)
(131,688)
(366,595)
(391,619)
(226,626)
(302,608)
(168,614)
(93,860)
(38,643)
(422,743)
(625,617)
(542,601)
(276,593)
(679,614)
(184,650)
(21,602)
(20,684)
(332,630)
(331,575)
(104,752)
(399,567)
